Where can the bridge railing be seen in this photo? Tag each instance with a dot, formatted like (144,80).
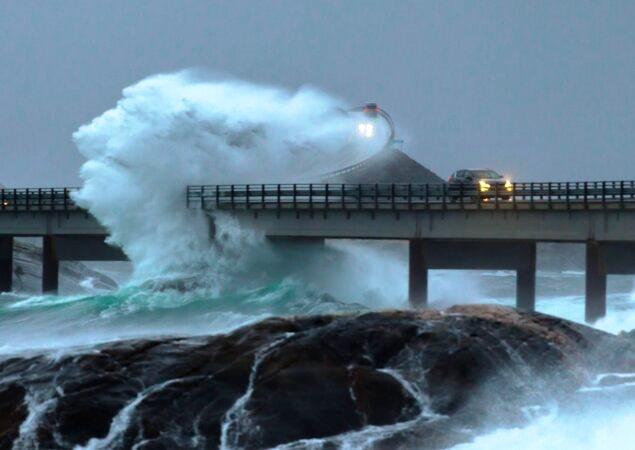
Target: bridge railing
(38,199)
(545,195)
(542,195)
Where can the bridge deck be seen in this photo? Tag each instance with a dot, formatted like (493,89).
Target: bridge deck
(561,212)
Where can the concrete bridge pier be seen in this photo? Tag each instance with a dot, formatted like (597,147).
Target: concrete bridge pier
(428,254)
(595,302)
(417,275)
(526,281)
(6,263)
(50,266)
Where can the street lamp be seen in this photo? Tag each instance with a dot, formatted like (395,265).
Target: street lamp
(368,120)
(367,126)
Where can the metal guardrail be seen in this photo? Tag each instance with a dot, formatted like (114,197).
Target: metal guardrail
(38,199)
(614,195)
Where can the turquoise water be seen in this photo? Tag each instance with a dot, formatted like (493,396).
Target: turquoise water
(152,309)
(56,322)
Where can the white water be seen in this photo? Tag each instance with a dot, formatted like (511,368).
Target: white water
(236,421)
(37,405)
(601,427)
(122,419)
(171,131)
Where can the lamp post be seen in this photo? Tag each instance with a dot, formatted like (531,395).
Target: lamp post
(367,127)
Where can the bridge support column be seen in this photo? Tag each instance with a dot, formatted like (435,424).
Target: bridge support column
(417,275)
(6,263)
(595,305)
(50,266)
(526,282)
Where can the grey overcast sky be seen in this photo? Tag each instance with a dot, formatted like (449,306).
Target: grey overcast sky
(540,90)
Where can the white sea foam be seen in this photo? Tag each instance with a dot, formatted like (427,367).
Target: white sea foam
(236,420)
(121,420)
(597,428)
(171,131)
(38,403)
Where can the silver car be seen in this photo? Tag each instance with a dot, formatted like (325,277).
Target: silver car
(479,184)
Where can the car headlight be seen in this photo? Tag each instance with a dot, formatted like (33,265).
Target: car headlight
(509,186)
(484,185)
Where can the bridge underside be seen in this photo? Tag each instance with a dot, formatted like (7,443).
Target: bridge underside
(602,259)
(54,250)
(439,239)
(472,255)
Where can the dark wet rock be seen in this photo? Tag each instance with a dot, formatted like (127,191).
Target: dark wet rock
(283,380)
(12,412)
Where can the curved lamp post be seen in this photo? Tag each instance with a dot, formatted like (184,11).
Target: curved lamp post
(367,127)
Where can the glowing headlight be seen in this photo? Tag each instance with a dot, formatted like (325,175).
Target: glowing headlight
(484,185)
(366,129)
(5,203)
(509,186)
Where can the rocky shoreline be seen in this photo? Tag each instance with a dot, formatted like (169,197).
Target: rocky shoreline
(400,379)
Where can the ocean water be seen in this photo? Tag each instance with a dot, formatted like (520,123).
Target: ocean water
(337,277)
(361,276)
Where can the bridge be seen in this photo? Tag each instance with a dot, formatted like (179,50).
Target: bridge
(68,232)
(445,228)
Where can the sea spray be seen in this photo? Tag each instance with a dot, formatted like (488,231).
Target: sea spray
(599,425)
(171,131)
